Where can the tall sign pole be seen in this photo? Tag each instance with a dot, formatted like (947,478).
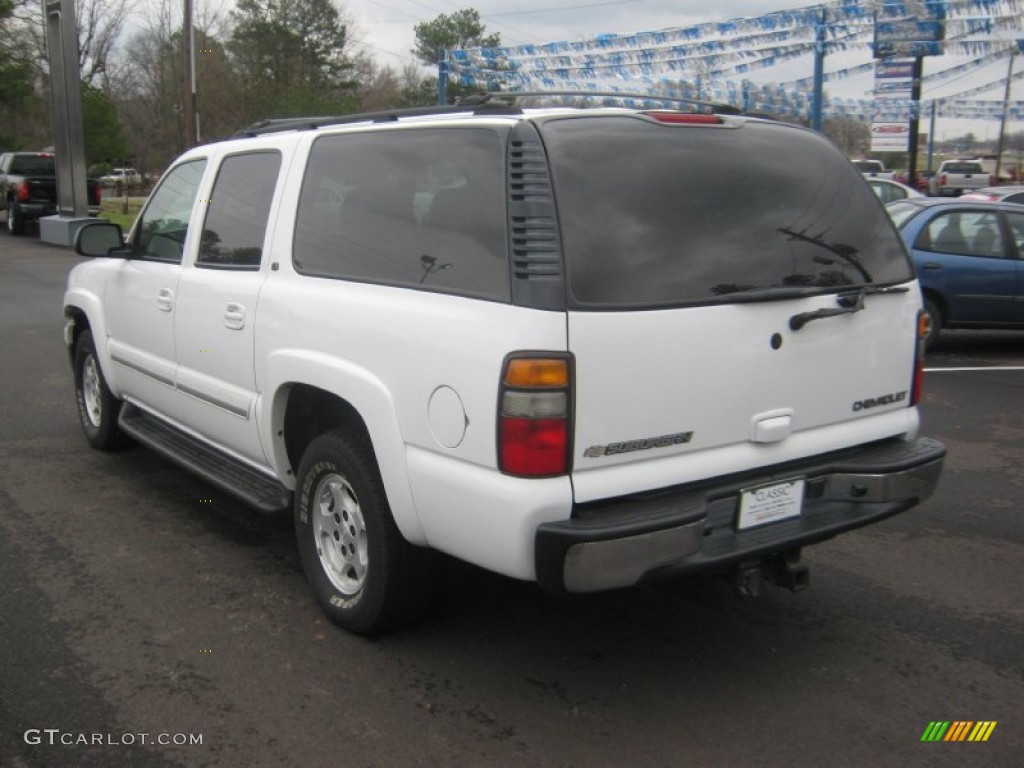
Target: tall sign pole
(68,133)
(912,29)
(66,101)
(915,121)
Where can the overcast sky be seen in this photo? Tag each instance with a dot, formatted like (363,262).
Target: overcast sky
(386,26)
(385,30)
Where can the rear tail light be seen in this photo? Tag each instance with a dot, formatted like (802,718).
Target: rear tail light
(99,192)
(923,329)
(24,192)
(942,180)
(535,415)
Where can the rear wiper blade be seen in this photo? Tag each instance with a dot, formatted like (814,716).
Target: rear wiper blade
(849,302)
(772,294)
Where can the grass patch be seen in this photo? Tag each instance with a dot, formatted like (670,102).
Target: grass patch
(112,209)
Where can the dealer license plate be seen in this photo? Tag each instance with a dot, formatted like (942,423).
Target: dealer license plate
(770,503)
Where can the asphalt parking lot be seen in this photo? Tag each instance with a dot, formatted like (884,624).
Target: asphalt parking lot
(140,607)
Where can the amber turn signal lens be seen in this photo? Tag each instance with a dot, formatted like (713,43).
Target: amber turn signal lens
(924,325)
(537,372)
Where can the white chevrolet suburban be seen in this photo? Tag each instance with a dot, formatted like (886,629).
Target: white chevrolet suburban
(582,347)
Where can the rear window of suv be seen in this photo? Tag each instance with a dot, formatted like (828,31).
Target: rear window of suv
(656,215)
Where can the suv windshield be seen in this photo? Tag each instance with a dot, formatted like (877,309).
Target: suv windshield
(655,214)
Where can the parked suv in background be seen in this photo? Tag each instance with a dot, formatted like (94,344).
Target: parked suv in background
(125,177)
(586,348)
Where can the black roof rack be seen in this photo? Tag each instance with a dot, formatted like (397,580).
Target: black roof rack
(487,103)
(474,105)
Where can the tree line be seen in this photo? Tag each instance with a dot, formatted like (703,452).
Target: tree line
(263,59)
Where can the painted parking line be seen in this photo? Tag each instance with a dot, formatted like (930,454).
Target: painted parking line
(977,368)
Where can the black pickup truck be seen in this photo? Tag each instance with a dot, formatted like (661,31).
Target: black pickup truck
(28,188)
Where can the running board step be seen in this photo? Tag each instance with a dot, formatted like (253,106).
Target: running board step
(228,474)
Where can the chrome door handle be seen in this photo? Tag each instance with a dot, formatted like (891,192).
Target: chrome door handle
(234,316)
(165,299)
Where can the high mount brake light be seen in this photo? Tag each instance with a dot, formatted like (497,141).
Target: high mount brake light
(534,415)
(685,118)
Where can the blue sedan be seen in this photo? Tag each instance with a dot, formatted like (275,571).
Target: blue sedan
(968,256)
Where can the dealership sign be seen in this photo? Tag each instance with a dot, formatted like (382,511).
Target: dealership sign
(890,137)
(894,81)
(919,31)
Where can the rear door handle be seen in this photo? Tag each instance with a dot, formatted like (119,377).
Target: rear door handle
(234,316)
(165,299)
(931,265)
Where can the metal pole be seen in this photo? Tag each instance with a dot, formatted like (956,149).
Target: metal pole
(192,67)
(915,119)
(442,78)
(66,102)
(1006,107)
(819,73)
(188,116)
(931,137)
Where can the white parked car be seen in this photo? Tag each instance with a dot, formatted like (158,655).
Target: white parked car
(560,344)
(126,176)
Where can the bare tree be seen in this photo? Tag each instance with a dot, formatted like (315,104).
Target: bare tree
(100,23)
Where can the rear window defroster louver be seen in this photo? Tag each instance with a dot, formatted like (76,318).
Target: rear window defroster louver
(537,271)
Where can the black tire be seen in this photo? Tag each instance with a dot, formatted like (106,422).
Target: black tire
(934,323)
(368,578)
(15,221)
(97,408)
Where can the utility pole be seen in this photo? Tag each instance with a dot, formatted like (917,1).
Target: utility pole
(1006,109)
(188,96)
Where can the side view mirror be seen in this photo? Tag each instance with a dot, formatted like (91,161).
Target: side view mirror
(100,238)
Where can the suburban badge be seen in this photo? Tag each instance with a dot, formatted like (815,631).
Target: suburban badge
(638,445)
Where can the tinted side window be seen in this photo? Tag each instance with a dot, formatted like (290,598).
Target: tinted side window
(967,233)
(655,214)
(162,227)
(237,212)
(420,208)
